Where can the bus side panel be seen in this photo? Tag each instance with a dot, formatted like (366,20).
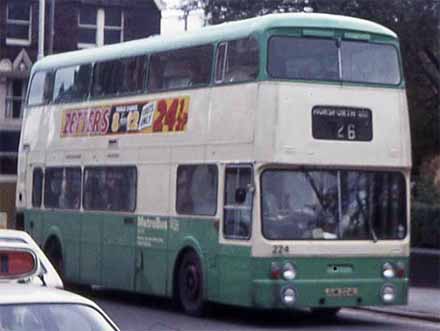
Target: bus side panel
(151,255)
(90,242)
(33,224)
(201,235)
(152,229)
(65,223)
(234,263)
(118,251)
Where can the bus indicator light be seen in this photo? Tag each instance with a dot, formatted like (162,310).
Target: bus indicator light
(275,272)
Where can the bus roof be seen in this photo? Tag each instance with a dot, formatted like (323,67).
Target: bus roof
(225,31)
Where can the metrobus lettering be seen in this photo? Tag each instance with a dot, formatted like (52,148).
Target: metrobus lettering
(153,224)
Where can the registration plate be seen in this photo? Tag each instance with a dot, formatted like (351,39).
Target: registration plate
(341,291)
(342,123)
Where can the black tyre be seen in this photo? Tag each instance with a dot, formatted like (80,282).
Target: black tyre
(190,284)
(55,256)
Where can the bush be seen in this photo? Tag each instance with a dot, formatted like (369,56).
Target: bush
(425,225)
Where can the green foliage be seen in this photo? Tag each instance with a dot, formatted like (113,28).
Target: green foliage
(426,191)
(425,226)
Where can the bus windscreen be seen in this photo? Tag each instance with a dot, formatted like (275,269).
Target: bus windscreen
(333,204)
(330,60)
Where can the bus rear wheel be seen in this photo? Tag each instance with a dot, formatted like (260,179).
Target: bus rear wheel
(53,252)
(190,284)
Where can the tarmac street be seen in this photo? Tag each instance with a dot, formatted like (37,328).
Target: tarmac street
(134,312)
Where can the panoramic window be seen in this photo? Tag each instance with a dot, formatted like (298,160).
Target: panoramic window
(37,187)
(41,89)
(330,60)
(18,23)
(330,205)
(241,63)
(62,188)
(110,188)
(238,202)
(72,83)
(119,76)
(197,190)
(182,68)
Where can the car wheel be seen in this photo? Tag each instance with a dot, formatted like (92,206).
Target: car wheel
(190,284)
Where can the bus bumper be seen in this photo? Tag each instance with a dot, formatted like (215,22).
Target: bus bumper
(271,294)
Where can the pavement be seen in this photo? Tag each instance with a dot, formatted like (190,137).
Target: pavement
(423,303)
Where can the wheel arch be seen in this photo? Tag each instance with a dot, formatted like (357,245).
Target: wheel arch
(189,244)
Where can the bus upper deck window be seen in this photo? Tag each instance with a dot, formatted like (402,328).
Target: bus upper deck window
(40,89)
(242,60)
(181,68)
(72,83)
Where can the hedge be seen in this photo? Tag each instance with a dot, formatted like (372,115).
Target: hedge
(425,225)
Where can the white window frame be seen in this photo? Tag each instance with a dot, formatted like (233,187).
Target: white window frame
(115,28)
(100,28)
(16,41)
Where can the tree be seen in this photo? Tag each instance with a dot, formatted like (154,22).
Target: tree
(187,6)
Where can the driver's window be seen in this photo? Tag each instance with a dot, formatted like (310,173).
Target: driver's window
(237,216)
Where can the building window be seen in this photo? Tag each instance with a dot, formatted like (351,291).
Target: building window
(19,22)
(8,152)
(16,92)
(98,27)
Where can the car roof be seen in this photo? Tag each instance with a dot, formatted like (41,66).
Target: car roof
(33,294)
(8,235)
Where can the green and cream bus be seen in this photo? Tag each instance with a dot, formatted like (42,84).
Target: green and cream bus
(262,163)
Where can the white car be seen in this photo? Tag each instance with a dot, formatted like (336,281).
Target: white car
(45,273)
(38,308)
(28,303)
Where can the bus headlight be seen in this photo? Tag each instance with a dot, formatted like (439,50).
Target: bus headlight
(288,296)
(388,270)
(388,293)
(289,271)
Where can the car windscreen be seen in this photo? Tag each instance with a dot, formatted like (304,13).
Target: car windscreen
(52,317)
(322,59)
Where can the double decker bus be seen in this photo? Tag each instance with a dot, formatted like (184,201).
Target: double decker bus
(261,163)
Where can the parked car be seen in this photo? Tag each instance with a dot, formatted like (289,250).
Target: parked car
(29,303)
(45,273)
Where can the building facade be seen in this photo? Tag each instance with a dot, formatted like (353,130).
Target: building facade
(69,25)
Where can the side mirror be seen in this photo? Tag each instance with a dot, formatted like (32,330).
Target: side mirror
(240,195)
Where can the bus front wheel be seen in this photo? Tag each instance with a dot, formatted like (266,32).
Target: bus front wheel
(190,284)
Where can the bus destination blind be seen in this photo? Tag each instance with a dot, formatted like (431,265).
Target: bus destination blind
(342,123)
